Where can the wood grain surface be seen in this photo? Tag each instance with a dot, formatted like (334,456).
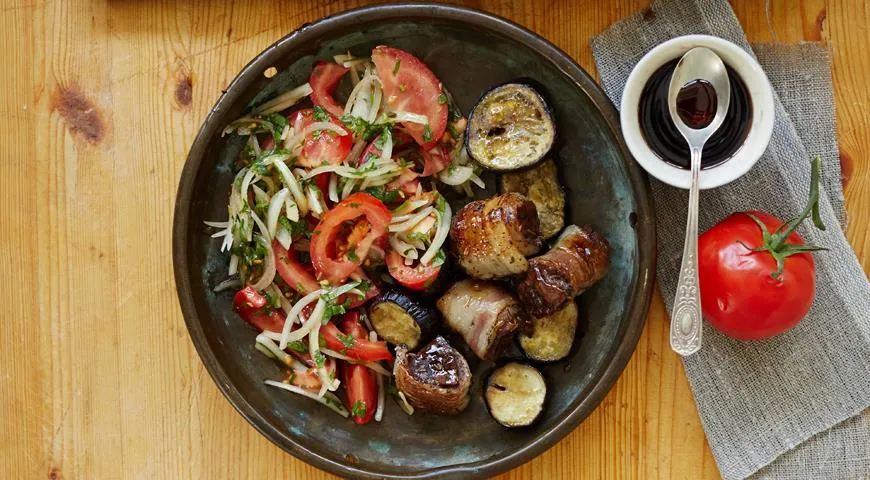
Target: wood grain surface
(99,102)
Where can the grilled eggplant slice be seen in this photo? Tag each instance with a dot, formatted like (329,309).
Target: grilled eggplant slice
(551,336)
(402,320)
(540,184)
(492,237)
(580,258)
(435,380)
(515,394)
(511,127)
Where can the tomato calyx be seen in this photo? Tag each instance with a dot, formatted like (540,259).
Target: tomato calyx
(775,243)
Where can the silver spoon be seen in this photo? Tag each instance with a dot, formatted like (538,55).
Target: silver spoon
(697,64)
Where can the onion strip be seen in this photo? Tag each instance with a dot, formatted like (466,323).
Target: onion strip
(330,400)
(275,206)
(440,236)
(285,100)
(286,335)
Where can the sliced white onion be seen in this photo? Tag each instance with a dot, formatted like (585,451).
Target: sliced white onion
(330,400)
(255,145)
(440,236)
(273,349)
(404,249)
(284,238)
(296,140)
(291,209)
(290,180)
(275,206)
(234,265)
(411,222)
(217,224)
(286,335)
(379,412)
(387,149)
(285,100)
(373,366)
(411,205)
(233,282)
(409,117)
(342,170)
(349,186)
(260,195)
(456,175)
(314,201)
(269,269)
(333,188)
(356,102)
(477,180)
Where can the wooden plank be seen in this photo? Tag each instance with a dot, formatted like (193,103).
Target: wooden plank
(100,103)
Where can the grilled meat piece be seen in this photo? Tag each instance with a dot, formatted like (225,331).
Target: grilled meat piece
(492,237)
(436,379)
(541,185)
(485,314)
(580,258)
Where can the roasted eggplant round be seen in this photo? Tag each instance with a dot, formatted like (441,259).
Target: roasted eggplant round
(551,336)
(511,127)
(515,394)
(402,320)
(540,184)
(436,379)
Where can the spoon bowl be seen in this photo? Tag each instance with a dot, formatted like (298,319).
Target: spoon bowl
(700,70)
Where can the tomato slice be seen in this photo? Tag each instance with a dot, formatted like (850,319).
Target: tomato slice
(249,303)
(356,348)
(329,263)
(417,277)
(324,78)
(321,145)
(409,86)
(291,270)
(435,160)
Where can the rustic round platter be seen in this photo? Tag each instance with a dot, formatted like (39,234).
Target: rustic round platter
(470,51)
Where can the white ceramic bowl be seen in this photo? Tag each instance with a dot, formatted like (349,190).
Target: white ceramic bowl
(762,112)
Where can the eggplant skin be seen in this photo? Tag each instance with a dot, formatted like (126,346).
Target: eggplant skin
(541,185)
(435,380)
(551,336)
(401,319)
(580,258)
(515,394)
(511,127)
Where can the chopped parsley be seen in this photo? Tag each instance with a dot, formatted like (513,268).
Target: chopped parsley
(319,359)
(272,302)
(396,67)
(276,123)
(442,99)
(427,133)
(419,236)
(346,340)
(352,256)
(359,409)
(362,128)
(382,194)
(294,228)
(440,258)
(320,114)
(402,87)
(452,129)
(364,286)
(298,346)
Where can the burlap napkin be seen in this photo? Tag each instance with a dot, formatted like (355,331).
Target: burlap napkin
(791,406)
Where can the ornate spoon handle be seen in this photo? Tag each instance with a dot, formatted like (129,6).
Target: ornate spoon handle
(686,314)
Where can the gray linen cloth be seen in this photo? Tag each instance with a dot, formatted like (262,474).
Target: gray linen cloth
(791,406)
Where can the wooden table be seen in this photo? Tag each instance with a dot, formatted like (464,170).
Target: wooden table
(100,101)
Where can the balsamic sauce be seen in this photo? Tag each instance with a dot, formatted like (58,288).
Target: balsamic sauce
(696,104)
(662,135)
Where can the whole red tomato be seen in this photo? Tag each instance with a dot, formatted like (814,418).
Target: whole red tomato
(756,275)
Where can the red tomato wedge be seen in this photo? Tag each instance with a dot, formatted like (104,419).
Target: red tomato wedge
(357,348)
(291,270)
(324,79)
(249,303)
(320,146)
(416,277)
(359,381)
(409,86)
(335,258)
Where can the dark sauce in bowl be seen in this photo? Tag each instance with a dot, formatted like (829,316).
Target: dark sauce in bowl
(666,141)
